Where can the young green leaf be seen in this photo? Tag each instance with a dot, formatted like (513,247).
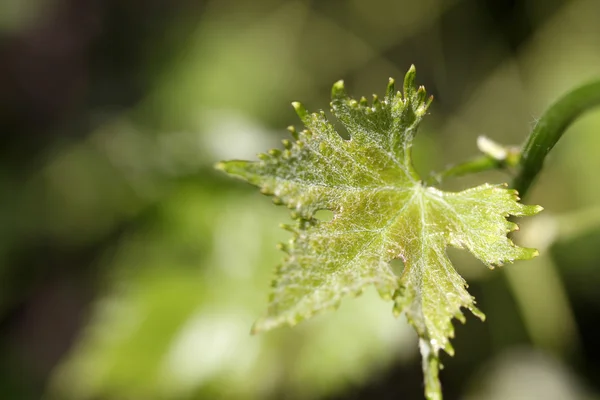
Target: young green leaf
(381,211)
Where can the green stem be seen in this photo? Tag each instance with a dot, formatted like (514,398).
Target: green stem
(495,156)
(546,133)
(550,129)
(479,164)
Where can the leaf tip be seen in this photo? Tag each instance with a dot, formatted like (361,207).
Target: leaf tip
(409,81)
(283,247)
(235,167)
(259,326)
(265,323)
(288,227)
(428,102)
(221,166)
(300,110)
(292,130)
(286,144)
(529,210)
(338,89)
(478,313)
(390,88)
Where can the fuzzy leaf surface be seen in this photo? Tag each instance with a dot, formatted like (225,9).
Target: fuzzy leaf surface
(381,211)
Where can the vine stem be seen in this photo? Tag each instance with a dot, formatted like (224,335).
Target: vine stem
(549,129)
(542,139)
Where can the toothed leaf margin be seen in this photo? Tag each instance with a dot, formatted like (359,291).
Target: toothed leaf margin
(381,211)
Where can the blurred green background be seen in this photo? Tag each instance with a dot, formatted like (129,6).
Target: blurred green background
(130,269)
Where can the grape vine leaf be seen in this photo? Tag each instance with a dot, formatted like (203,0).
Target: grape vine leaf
(381,211)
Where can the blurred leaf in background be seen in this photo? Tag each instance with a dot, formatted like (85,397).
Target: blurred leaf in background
(189,288)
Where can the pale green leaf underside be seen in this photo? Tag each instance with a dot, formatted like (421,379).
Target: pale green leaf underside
(382,211)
